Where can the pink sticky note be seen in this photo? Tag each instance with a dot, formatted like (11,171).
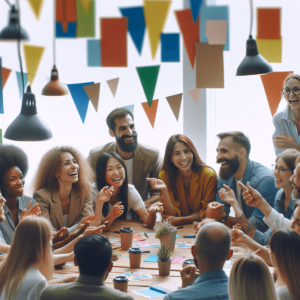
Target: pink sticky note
(178,260)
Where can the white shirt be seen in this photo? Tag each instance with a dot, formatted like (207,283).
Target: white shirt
(32,286)
(238,193)
(129,167)
(283,293)
(277,221)
(135,200)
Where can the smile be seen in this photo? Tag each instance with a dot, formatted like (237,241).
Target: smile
(184,164)
(73,174)
(278,180)
(129,139)
(117,179)
(224,164)
(293,101)
(20,189)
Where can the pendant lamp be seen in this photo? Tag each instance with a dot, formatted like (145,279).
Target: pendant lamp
(253,63)
(11,31)
(28,126)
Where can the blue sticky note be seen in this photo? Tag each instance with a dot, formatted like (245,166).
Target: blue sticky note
(220,12)
(131,108)
(135,24)
(177,236)
(93,53)
(151,258)
(150,293)
(1,89)
(70,33)
(80,98)
(170,47)
(20,84)
(195,8)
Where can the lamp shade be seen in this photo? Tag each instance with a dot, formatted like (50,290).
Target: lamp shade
(11,31)
(55,87)
(253,63)
(28,126)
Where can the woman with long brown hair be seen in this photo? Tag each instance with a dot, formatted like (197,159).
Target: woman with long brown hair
(186,183)
(63,188)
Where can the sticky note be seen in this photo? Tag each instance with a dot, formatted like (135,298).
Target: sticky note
(149,294)
(66,18)
(93,53)
(151,258)
(170,47)
(268,23)
(85,19)
(271,50)
(177,260)
(151,111)
(216,32)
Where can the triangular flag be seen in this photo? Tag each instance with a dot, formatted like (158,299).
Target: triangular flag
(135,24)
(36,6)
(195,8)
(148,77)
(5,75)
(85,5)
(155,15)
(93,92)
(151,111)
(80,98)
(175,102)
(195,95)
(33,55)
(130,107)
(20,84)
(271,82)
(113,85)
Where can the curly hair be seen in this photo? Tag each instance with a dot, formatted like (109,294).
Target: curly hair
(49,165)
(12,156)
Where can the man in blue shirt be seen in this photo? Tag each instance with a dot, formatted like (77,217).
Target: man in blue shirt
(233,155)
(210,252)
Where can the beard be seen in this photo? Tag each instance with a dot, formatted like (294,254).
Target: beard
(127,147)
(233,166)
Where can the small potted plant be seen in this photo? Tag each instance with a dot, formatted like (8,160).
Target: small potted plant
(164,260)
(167,234)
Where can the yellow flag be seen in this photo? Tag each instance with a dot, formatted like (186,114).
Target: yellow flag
(85,5)
(155,16)
(33,55)
(36,6)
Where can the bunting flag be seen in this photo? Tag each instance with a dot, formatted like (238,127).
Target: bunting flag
(93,92)
(85,18)
(66,18)
(148,77)
(33,56)
(195,8)
(130,107)
(36,6)
(151,111)
(113,85)
(175,103)
(190,32)
(155,15)
(86,4)
(5,75)
(1,89)
(272,83)
(136,25)
(80,98)
(195,95)
(20,83)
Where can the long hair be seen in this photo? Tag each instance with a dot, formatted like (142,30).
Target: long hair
(250,279)
(101,182)
(285,245)
(50,164)
(171,169)
(30,247)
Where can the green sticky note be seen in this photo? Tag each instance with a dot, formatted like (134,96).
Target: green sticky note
(85,20)
(148,77)
(0,136)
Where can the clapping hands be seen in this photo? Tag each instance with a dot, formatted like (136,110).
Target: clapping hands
(156,184)
(35,210)
(156,208)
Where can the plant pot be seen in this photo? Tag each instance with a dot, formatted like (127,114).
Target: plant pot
(169,240)
(164,267)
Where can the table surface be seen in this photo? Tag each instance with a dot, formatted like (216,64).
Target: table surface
(121,266)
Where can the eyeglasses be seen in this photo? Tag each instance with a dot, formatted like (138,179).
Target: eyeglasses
(280,169)
(286,91)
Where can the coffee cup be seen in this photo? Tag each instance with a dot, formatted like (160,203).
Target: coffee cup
(135,257)
(121,283)
(187,262)
(126,238)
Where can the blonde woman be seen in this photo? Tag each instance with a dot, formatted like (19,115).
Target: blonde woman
(250,279)
(24,273)
(285,257)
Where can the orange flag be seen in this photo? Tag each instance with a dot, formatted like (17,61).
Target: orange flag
(151,111)
(273,83)
(5,75)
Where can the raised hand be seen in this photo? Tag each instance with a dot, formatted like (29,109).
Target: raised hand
(227,195)
(214,210)
(188,276)
(251,196)
(156,208)
(35,210)
(117,210)
(105,194)
(156,184)
(60,235)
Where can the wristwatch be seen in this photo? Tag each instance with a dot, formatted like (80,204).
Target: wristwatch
(223,219)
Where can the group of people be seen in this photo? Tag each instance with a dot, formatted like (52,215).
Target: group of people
(73,197)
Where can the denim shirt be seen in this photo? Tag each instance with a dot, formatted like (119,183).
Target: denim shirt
(2,240)
(211,285)
(8,226)
(264,238)
(261,179)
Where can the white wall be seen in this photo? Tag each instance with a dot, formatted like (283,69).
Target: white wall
(60,113)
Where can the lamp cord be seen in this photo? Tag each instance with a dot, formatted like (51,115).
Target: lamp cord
(54,34)
(8,3)
(251,16)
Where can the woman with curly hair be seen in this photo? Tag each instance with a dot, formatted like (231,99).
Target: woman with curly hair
(62,184)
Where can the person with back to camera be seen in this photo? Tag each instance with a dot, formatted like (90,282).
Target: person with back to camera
(287,122)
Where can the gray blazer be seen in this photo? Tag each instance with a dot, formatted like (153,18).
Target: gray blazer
(85,287)
(146,164)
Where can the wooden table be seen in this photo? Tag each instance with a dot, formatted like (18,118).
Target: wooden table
(172,282)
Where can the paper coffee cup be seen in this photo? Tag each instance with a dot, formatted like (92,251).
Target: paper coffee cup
(126,238)
(121,283)
(135,257)
(187,262)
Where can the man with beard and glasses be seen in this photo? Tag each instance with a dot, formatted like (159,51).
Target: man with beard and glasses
(233,155)
(142,161)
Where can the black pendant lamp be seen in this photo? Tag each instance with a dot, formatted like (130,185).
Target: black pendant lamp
(28,126)
(253,63)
